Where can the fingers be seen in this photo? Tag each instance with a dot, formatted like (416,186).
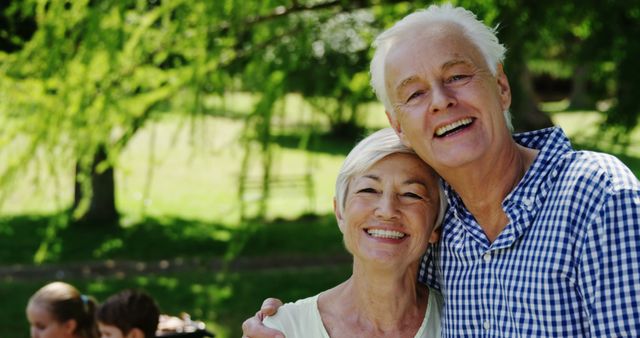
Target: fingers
(269,307)
(253,327)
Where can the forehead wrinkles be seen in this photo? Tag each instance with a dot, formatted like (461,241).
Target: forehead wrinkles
(435,46)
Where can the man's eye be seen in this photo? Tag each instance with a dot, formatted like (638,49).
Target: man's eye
(458,77)
(415,95)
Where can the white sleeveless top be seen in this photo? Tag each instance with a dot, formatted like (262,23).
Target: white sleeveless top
(302,319)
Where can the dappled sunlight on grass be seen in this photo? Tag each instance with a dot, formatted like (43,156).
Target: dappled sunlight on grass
(584,130)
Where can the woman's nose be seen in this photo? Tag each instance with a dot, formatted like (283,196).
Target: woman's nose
(387,207)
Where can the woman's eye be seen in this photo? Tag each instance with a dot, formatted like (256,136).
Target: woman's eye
(412,195)
(367,191)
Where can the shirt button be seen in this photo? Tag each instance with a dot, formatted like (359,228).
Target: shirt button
(487,257)
(527,202)
(486,325)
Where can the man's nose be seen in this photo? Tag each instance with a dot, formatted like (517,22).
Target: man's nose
(442,98)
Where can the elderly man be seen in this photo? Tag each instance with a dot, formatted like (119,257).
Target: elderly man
(539,239)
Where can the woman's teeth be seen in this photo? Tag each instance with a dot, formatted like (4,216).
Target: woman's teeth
(385,233)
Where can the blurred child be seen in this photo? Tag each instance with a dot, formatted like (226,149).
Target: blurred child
(128,314)
(58,310)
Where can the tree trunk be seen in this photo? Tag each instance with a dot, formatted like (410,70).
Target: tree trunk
(524,104)
(102,204)
(626,110)
(579,97)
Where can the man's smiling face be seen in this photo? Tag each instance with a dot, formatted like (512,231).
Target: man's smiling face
(448,106)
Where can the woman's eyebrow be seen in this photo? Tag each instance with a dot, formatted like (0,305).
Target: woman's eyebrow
(372,177)
(415,181)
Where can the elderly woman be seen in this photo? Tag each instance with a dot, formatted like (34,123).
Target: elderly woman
(387,204)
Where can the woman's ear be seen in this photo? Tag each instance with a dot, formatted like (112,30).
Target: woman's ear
(338,214)
(435,235)
(135,333)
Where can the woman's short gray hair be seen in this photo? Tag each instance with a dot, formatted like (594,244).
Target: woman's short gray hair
(482,36)
(368,152)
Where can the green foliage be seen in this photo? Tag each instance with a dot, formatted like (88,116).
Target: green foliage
(93,73)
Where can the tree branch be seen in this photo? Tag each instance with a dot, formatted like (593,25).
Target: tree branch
(296,7)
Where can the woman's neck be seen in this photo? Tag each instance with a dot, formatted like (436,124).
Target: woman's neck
(375,303)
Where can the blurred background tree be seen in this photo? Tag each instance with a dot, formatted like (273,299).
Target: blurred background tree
(79,78)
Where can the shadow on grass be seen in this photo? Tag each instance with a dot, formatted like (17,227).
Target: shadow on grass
(47,239)
(30,239)
(309,234)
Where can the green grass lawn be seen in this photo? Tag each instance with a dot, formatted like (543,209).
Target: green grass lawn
(221,299)
(177,192)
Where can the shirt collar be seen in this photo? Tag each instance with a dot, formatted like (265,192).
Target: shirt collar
(524,201)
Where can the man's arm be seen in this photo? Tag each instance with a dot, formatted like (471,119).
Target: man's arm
(609,267)
(253,327)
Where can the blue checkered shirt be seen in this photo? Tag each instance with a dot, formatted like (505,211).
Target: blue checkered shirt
(566,265)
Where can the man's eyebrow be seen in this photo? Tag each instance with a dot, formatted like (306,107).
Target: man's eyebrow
(454,62)
(406,81)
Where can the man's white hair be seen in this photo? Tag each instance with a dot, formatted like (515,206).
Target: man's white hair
(368,152)
(482,36)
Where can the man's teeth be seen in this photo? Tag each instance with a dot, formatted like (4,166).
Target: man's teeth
(449,127)
(385,233)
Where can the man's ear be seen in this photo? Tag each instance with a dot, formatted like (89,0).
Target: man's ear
(135,333)
(395,124)
(503,87)
(338,214)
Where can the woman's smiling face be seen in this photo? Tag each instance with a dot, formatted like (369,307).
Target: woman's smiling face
(390,211)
